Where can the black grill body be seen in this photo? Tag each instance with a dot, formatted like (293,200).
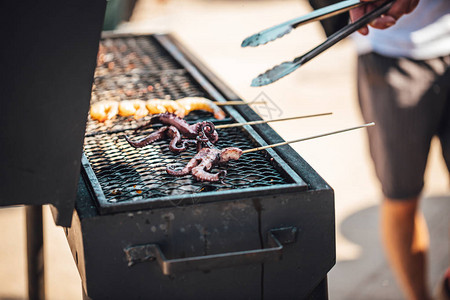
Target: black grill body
(261,235)
(100,244)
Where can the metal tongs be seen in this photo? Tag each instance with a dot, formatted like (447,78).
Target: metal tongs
(280,30)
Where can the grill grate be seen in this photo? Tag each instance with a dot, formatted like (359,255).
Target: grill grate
(143,69)
(127,174)
(132,55)
(146,85)
(139,68)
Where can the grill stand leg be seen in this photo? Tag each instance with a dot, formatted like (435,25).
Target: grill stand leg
(35,252)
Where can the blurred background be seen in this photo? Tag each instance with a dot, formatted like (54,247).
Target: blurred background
(213,30)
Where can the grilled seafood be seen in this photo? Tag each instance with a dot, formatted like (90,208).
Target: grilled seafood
(186,130)
(140,108)
(158,106)
(164,132)
(104,110)
(200,165)
(134,108)
(203,134)
(184,106)
(199,103)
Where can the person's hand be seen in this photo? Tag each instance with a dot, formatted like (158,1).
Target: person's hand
(398,9)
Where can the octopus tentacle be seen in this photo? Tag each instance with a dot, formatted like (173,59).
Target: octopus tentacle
(154,119)
(208,129)
(230,153)
(190,131)
(203,142)
(151,138)
(200,165)
(186,170)
(188,142)
(179,123)
(208,160)
(202,175)
(204,133)
(175,136)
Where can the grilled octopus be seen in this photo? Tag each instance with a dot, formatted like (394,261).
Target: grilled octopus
(203,134)
(200,165)
(176,143)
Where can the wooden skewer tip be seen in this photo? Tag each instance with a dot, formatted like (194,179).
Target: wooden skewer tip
(228,103)
(269,121)
(307,138)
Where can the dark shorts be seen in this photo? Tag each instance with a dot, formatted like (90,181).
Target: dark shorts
(410,103)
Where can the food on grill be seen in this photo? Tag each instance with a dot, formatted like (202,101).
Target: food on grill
(140,108)
(188,131)
(202,133)
(199,103)
(200,165)
(158,106)
(134,108)
(184,106)
(176,143)
(104,110)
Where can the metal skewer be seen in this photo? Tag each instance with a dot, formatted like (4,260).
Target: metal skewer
(268,121)
(307,138)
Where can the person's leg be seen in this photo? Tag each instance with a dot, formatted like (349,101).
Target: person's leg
(405,239)
(405,100)
(444,135)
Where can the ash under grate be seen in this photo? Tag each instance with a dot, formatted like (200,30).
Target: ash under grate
(128,174)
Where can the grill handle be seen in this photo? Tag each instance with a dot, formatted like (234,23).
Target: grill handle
(276,239)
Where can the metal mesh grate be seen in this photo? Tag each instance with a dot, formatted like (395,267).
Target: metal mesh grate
(162,85)
(142,69)
(126,173)
(132,55)
(139,68)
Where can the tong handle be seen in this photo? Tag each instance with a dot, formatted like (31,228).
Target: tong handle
(325,12)
(344,32)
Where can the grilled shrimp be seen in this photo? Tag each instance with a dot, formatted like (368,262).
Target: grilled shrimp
(136,108)
(104,110)
(199,103)
(158,106)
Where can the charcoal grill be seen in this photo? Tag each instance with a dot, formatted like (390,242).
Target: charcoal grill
(266,232)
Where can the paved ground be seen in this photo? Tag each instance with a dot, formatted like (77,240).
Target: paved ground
(213,30)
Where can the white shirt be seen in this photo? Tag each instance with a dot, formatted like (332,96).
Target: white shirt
(422,34)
